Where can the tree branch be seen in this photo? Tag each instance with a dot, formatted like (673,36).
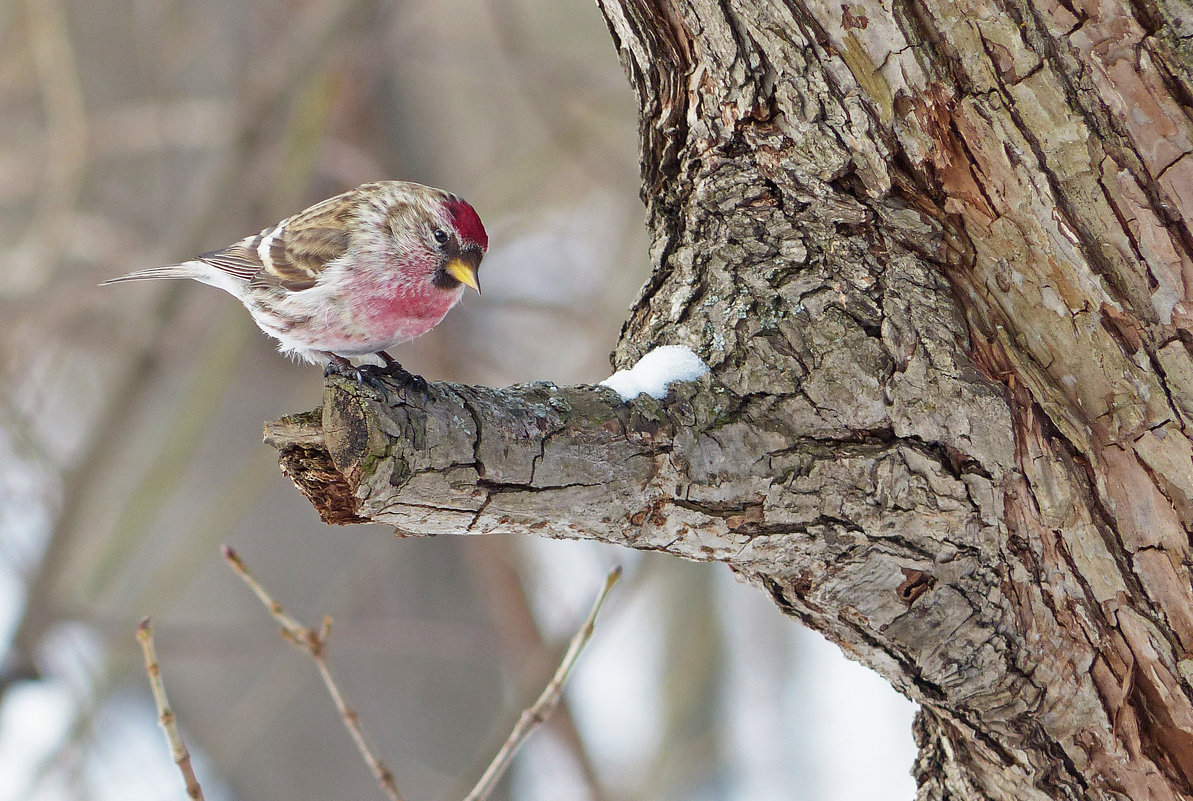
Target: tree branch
(460,459)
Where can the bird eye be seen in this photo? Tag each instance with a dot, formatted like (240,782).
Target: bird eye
(440,235)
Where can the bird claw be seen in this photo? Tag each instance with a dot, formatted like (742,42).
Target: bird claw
(361,375)
(372,375)
(404,377)
(394,369)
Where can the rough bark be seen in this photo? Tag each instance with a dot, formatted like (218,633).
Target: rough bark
(937,255)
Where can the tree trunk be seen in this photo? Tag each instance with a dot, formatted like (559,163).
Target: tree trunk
(937,255)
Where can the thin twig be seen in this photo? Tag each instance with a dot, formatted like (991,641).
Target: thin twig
(165,715)
(492,563)
(315,644)
(533,717)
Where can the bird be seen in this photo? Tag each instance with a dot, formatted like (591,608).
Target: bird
(351,276)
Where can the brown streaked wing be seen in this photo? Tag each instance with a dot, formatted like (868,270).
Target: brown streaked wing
(307,242)
(299,256)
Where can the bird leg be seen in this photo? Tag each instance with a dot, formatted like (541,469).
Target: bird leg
(338,365)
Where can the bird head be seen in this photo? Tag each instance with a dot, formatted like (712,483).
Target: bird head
(462,243)
(436,236)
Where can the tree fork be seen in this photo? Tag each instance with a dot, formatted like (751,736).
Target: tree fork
(937,257)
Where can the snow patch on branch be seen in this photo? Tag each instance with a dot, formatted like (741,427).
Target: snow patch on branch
(655,371)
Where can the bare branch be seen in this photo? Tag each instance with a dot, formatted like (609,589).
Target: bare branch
(315,644)
(165,715)
(496,564)
(533,717)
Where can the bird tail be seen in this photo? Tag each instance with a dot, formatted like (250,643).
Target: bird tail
(186,270)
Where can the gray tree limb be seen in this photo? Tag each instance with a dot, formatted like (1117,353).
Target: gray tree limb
(937,255)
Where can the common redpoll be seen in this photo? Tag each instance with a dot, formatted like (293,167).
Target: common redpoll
(356,274)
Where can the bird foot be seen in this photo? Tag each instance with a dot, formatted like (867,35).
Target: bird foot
(394,369)
(372,375)
(361,375)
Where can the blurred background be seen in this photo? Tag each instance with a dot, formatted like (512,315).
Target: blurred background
(142,132)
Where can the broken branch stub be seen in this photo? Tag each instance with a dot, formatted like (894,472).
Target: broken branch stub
(572,461)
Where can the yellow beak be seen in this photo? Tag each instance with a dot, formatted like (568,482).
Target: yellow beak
(464,272)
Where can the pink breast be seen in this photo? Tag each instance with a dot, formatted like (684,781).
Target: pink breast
(398,318)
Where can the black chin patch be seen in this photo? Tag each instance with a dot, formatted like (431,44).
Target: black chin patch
(444,280)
